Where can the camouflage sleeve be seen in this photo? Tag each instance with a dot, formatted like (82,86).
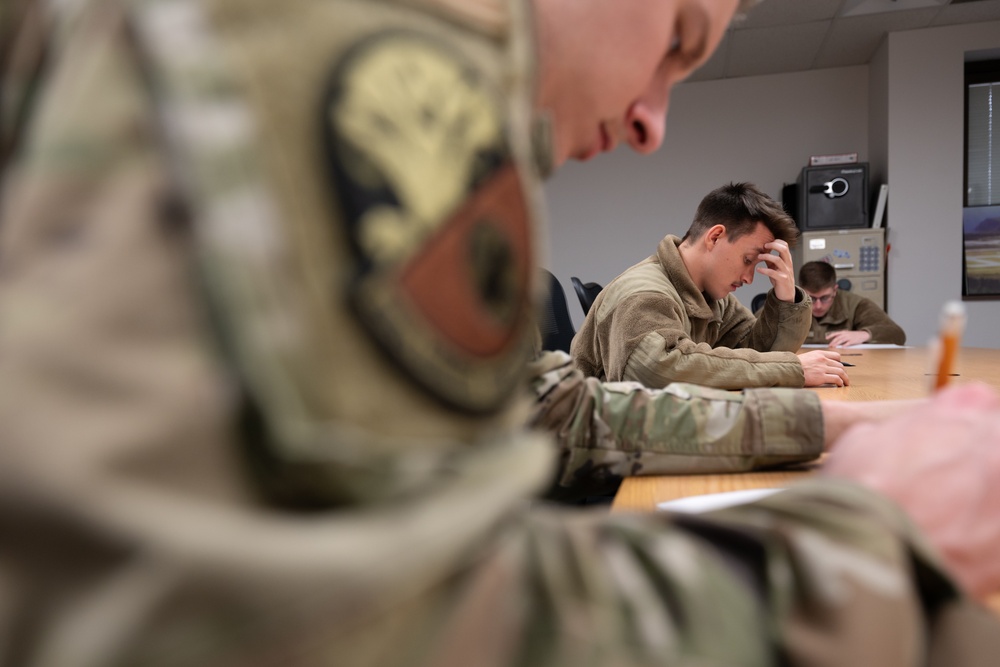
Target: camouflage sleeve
(23,44)
(609,430)
(780,326)
(826,573)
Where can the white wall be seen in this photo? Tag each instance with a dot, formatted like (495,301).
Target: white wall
(925,145)
(607,214)
(903,113)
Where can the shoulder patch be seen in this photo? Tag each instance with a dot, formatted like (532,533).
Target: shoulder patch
(436,213)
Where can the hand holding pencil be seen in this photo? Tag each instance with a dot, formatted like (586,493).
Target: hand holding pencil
(950,492)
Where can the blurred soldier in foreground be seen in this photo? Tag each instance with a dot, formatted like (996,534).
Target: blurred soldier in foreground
(264,314)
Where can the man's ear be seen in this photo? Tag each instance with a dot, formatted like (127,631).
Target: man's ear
(713,235)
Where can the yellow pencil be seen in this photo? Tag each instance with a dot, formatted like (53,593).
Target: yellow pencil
(949,341)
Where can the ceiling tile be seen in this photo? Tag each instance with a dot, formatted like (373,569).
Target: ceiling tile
(796,35)
(969,12)
(853,40)
(755,51)
(788,12)
(891,21)
(866,7)
(844,48)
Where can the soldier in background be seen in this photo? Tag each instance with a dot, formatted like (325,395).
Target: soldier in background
(265,305)
(842,319)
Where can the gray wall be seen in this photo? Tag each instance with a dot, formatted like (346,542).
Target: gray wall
(607,214)
(903,114)
(926,132)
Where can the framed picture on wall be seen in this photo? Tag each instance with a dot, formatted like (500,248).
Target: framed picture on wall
(981,251)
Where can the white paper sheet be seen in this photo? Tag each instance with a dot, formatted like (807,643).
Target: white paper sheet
(715,501)
(862,346)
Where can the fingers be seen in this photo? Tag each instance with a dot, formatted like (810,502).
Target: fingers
(846,338)
(949,446)
(775,275)
(832,355)
(835,373)
(823,367)
(782,261)
(782,249)
(770,259)
(778,268)
(837,367)
(829,378)
(838,341)
(774,263)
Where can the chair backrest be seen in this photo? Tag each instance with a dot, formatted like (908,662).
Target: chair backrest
(586,292)
(554,322)
(758,302)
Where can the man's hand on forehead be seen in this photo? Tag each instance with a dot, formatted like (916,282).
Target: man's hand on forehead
(777,265)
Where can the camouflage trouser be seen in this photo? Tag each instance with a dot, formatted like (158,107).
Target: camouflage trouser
(606,431)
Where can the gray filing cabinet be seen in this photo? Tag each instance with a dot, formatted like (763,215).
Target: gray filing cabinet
(858,255)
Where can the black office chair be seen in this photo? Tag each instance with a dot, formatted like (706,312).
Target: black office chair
(758,302)
(586,292)
(554,322)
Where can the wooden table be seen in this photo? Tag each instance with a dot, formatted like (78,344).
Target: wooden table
(878,374)
(907,372)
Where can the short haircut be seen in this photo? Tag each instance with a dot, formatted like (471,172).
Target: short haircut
(816,276)
(739,207)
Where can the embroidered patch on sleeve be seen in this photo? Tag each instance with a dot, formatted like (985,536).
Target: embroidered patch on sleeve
(436,213)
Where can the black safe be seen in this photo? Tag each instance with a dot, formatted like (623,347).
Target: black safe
(833,197)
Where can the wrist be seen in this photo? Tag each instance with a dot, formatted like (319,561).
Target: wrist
(788,296)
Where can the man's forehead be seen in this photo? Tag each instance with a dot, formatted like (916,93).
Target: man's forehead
(757,239)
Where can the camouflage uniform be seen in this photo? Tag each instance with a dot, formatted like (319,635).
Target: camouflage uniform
(609,430)
(218,447)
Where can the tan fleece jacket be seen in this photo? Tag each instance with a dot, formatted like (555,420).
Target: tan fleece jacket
(853,312)
(652,325)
